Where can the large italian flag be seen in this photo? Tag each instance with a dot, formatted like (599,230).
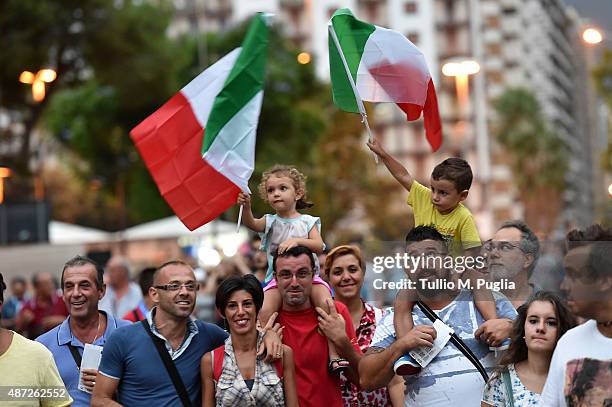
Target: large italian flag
(380,65)
(200,146)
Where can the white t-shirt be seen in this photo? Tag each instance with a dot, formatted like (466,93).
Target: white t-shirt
(580,371)
(450,379)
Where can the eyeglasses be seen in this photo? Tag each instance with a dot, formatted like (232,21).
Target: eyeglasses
(190,286)
(301,275)
(503,247)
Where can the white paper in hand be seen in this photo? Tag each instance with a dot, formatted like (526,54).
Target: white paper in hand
(91,360)
(423,354)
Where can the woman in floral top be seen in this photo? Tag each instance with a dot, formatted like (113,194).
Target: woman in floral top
(344,268)
(518,382)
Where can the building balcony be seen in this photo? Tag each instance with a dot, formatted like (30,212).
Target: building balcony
(292,4)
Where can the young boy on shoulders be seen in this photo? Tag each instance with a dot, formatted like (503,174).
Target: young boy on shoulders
(441,207)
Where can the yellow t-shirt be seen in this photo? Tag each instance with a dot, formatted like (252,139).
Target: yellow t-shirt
(27,367)
(457,227)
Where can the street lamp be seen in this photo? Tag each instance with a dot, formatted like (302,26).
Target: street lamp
(4,173)
(38,81)
(460,70)
(592,36)
(303,58)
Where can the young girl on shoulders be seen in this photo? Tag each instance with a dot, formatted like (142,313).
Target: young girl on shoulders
(284,189)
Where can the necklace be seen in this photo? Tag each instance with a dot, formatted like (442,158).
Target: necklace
(97,330)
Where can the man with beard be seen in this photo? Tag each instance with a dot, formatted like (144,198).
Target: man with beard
(580,371)
(307,333)
(82,288)
(450,379)
(132,363)
(511,256)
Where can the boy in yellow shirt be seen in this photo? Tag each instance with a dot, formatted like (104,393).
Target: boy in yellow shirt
(440,207)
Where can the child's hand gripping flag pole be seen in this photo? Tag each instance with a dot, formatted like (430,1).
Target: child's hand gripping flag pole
(375,64)
(200,146)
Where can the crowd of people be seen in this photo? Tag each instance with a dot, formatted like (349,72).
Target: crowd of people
(289,324)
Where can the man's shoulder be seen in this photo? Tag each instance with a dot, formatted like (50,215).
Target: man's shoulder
(576,333)
(127,329)
(208,326)
(123,322)
(49,337)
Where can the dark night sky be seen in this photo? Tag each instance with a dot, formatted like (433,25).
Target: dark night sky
(598,12)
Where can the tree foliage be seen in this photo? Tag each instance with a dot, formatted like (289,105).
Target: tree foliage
(116,66)
(539,156)
(603,82)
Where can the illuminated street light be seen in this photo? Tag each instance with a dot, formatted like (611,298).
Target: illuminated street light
(592,36)
(304,58)
(38,81)
(4,173)
(460,70)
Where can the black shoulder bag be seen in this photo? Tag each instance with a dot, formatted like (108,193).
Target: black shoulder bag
(170,366)
(454,338)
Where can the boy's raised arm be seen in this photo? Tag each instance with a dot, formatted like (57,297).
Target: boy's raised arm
(399,172)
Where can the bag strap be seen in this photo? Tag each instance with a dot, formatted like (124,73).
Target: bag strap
(75,355)
(136,316)
(169,364)
(217,356)
(454,338)
(508,384)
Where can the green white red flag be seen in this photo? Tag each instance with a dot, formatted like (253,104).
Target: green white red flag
(200,145)
(376,64)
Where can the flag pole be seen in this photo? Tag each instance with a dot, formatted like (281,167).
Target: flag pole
(364,116)
(239,218)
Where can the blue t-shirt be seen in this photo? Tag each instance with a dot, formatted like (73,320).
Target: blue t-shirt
(57,341)
(130,356)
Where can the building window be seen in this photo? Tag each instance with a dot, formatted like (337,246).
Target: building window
(495,77)
(413,37)
(493,22)
(410,7)
(494,49)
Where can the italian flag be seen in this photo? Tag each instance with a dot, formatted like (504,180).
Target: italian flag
(200,146)
(376,64)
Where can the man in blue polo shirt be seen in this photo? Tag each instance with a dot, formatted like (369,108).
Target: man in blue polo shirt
(83,287)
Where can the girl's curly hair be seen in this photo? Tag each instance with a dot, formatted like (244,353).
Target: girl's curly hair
(298,179)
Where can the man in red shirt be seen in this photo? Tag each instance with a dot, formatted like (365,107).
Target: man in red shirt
(44,311)
(145,281)
(307,330)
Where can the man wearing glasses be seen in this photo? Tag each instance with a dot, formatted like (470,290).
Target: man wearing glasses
(307,333)
(134,363)
(511,255)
